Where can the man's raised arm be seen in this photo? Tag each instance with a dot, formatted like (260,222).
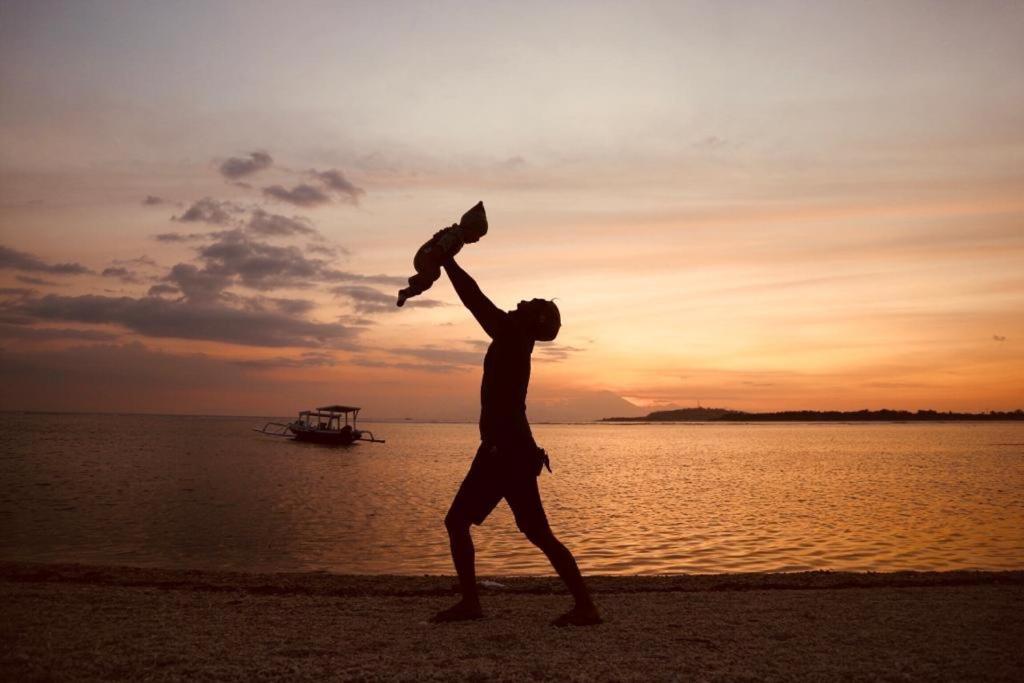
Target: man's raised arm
(490,317)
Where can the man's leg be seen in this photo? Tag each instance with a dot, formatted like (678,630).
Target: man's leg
(533,522)
(463,556)
(477,497)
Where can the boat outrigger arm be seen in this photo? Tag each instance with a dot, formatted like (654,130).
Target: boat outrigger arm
(327,425)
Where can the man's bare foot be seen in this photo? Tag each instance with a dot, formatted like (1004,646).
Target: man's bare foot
(579,616)
(460,611)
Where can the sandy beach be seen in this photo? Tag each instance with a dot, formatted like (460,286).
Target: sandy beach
(71,622)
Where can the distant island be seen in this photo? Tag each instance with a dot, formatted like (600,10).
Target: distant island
(884,415)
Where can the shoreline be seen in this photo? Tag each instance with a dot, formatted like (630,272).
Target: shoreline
(77,622)
(329,583)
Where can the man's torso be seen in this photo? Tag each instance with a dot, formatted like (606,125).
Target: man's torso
(503,390)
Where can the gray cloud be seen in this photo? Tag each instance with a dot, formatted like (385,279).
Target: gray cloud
(237,167)
(553,353)
(122,274)
(26,333)
(196,284)
(19,260)
(292,306)
(211,321)
(998,338)
(309,359)
(16,291)
(331,251)
(38,281)
(446,356)
(139,261)
(335,181)
(181,237)
(118,377)
(438,368)
(380,279)
(152,200)
(300,195)
(272,224)
(257,264)
(370,300)
(234,256)
(161,289)
(208,210)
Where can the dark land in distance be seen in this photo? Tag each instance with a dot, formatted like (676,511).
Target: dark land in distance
(883,415)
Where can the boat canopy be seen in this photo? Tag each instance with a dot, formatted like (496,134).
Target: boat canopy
(339,409)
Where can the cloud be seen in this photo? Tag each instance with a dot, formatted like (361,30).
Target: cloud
(300,195)
(237,167)
(710,143)
(205,320)
(998,338)
(257,264)
(370,300)
(333,180)
(122,377)
(208,210)
(122,274)
(16,291)
(413,367)
(196,284)
(309,359)
(19,260)
(27,333)
(235,257)
(272,224)
(379,279)
(152,200)
(445,356)
(38,281)
(181,237)
(292,306)
(330,251)
(139,261)
(553,353)
(161,289)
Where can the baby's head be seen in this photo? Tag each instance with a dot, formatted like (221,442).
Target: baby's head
(540,317)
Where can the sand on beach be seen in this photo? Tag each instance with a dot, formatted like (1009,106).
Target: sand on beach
(71,622)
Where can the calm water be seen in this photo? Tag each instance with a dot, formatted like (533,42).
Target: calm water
(209,493)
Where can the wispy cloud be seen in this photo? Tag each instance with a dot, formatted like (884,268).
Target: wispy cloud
(38,281)
(272,224)
(29,333)
(369,300)
(336,181)
(182,237)
(123,274)
(208,320)
(11,259)
(209,210)
(309,359)
(234,168)
(299,195)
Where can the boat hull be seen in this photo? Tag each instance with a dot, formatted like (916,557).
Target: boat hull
(326,436)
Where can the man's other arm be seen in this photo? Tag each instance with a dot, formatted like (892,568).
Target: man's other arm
(490,317)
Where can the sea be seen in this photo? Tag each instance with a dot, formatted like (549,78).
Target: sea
(210,493)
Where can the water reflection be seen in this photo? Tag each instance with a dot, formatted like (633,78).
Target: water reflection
(206,492)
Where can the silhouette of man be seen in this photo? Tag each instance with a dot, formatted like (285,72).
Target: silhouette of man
(508,462)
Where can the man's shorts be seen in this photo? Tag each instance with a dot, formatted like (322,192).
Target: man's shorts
(502,473)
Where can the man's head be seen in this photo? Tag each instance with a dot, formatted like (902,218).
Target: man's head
(540,317)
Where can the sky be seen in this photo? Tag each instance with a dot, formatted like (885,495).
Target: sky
(208,207)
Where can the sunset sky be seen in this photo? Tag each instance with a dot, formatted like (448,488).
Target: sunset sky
(208,207)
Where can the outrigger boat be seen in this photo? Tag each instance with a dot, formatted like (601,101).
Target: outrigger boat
(327,425)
